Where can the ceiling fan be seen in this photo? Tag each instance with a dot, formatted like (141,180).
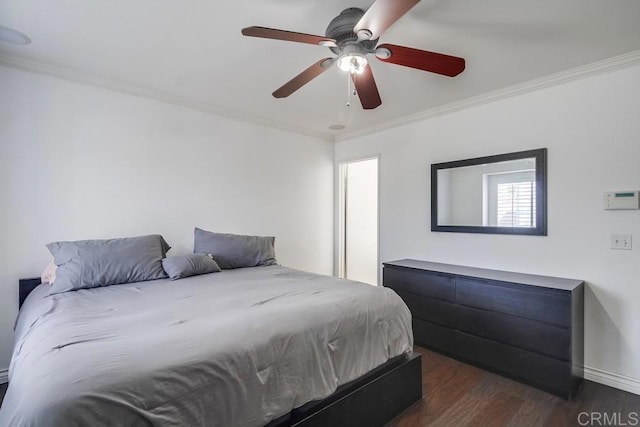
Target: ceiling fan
(353,35)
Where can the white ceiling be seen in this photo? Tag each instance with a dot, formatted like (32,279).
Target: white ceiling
(192,52)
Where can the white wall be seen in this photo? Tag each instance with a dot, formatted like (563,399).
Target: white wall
(80,162)
(591,128)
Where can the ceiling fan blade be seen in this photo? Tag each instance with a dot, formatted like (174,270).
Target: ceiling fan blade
(290,36)
(367,89)
(434,62)
(382,14)
(303,78)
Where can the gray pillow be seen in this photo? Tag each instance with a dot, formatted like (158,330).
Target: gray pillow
(235,251)
(178,267)
(93,263)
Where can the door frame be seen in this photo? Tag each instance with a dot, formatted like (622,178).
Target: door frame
(340,213)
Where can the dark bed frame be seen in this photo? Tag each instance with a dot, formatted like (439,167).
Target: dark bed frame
(372,400)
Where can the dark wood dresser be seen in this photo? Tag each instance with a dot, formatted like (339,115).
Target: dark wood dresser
(526,327)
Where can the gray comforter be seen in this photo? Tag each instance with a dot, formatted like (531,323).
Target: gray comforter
(239,347)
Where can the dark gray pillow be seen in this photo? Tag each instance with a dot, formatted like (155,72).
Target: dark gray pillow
(235,251)
(178,267)
(93,263)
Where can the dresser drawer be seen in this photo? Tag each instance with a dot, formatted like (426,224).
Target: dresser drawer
(432,310)
(419,283)
(432,335)
(528,334)
(540,304)
(545,372)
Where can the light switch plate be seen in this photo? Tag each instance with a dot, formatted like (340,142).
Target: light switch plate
(621,241)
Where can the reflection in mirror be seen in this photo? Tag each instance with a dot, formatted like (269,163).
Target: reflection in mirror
(497,194)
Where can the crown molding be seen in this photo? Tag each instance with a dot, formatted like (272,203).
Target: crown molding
(589,70)
(76,76)
(600,67)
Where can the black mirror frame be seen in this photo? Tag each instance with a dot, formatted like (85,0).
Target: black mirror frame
(541,194)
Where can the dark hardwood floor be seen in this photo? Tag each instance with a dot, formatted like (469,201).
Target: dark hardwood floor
(457,394)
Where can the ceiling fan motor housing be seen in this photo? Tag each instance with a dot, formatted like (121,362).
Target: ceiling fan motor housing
(341,30)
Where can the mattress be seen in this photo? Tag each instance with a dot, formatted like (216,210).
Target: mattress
(236,348)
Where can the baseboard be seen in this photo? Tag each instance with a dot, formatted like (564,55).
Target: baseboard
(4,376)
(622,382)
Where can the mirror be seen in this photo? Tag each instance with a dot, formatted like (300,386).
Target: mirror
(502,194)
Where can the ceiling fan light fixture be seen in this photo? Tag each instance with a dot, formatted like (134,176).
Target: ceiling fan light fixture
(353,63)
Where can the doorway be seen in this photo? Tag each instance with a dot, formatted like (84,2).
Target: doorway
(358,220)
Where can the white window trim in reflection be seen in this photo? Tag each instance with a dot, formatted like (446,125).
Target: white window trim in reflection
(509,199)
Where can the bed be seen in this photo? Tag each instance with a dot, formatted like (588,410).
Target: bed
(252,346)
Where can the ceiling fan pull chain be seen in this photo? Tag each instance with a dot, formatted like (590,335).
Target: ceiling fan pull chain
(348,89)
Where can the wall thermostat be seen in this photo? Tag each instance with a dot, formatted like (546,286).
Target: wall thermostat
(621,200)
